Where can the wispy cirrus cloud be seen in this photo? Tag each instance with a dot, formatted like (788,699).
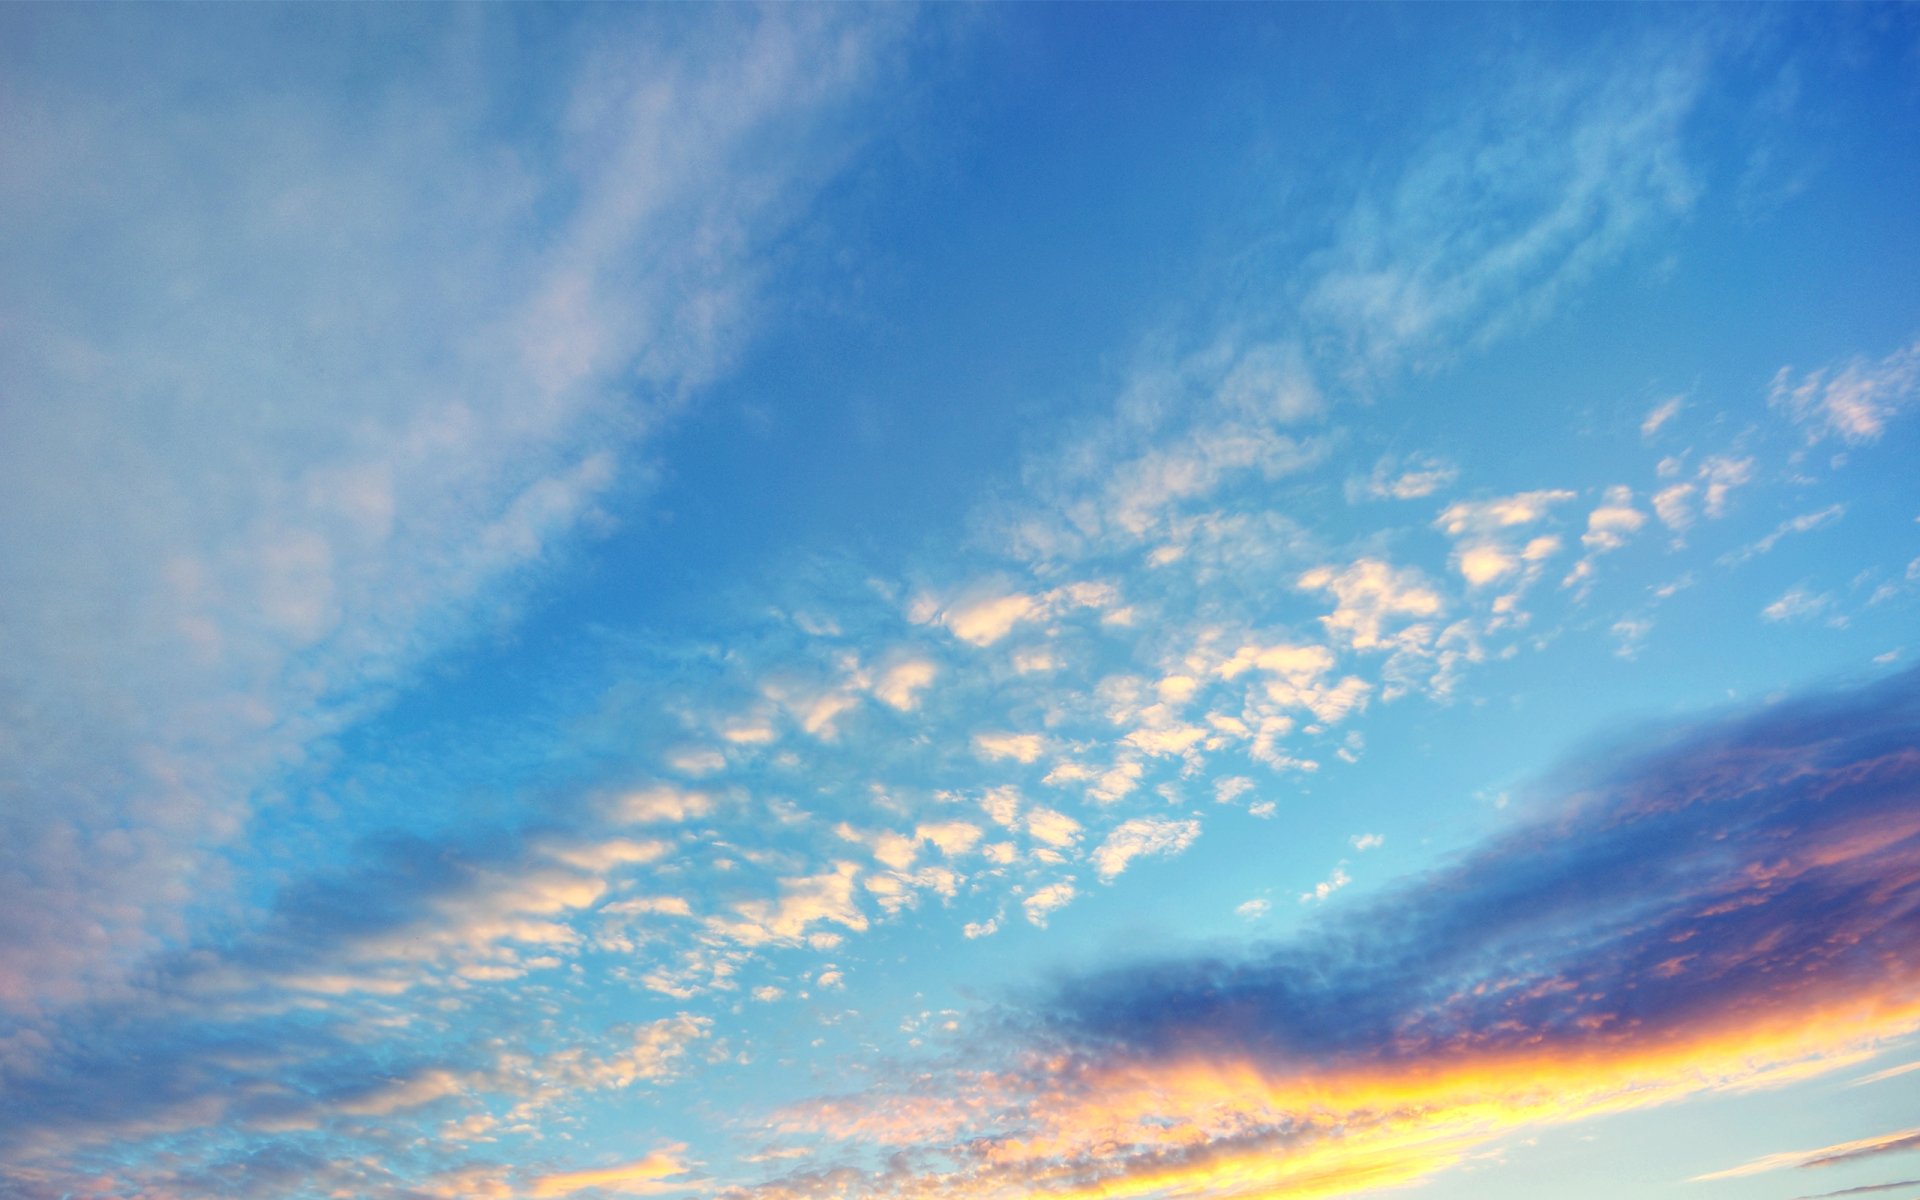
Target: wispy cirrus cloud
(360,367)
(1852,401)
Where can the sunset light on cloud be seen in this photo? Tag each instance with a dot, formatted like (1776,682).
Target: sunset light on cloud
(952,603)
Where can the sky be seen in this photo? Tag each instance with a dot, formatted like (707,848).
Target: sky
(959,603)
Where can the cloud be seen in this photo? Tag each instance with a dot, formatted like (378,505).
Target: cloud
(1797,604)
(1141,836)
(1825,1156)
(1713,484)
(1413,478)
(1496,217)
(1372,596)
(320,367)
(901,684)
(1722,905)
(649,1176)
(827,897)
(1865,1190)
(662,804)
(1042,903)
(1853,402)
(1660,414)
(1054,828)
(1327,886)
(1804,523)
(1021,747)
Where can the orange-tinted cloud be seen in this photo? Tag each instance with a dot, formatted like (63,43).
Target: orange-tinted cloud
(649,1176)
(1732,909)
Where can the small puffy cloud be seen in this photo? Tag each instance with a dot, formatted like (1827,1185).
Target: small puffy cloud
(1609,525)
(1254,909)
(825,898)
(1719,475)
(1141,836)
(1371,596)
(1679,504)
(1042,903)
(1116,781)
(980,929)
(1674,505)
(985,620)
(662,805)
(952,837)
(891,849)
(901,684)
(1484,563)
(1054,828)
(1367,841)
(1415,477)
(1229,787)
(601,857)
(1853,403)
(697,760)
(1298,664)
(1021,747)
(1502,512)
(1002,805)
(1608,528)
(1327,886)
(1487,534)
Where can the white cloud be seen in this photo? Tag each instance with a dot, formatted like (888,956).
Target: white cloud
(1052,827)
(1660,414)
(1042,903)
(1326,887)
(1140,836)
(1372,595)
(1021,747)
(901,684)
(662,804)
(804,901)
(952,837)
(1720,475)
(1609,525)
(1804,523)
(1412,478)
(1853,403)
(1797,604)
(1673,505)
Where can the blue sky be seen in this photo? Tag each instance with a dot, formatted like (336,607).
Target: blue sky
(818,602)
